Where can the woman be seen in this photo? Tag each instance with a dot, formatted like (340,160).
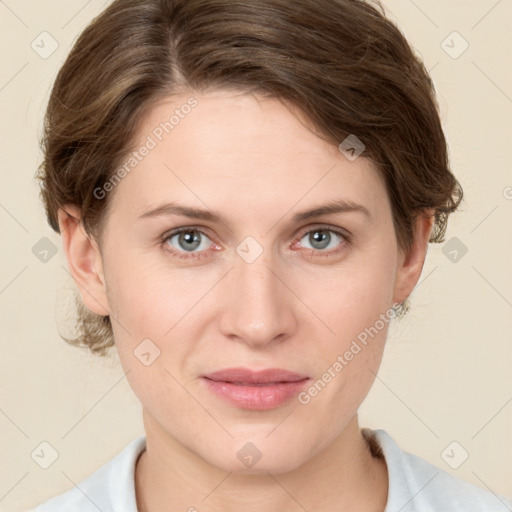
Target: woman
(244,191)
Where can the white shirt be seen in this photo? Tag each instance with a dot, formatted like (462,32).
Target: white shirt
(414,485)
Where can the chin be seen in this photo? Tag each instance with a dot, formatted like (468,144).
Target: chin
(259,456)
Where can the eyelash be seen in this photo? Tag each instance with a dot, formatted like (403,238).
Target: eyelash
(346,239)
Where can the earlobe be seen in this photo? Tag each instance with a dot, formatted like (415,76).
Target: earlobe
(411,264)
(84,260)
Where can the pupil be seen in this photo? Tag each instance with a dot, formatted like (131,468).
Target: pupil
(322,237)
(190,237)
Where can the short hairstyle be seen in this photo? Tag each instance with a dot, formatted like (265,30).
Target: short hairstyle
(341,63)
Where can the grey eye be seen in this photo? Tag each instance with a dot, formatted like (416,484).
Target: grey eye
(188,240)
(321,239)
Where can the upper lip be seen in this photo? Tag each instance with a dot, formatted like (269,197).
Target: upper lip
(248,376)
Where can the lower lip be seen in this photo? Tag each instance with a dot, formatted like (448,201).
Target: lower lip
(256,397)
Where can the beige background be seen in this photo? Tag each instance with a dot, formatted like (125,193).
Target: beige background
(446,374)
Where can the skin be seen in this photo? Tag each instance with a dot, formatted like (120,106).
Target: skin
(254,162)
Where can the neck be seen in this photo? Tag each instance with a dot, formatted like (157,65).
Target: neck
(344,477)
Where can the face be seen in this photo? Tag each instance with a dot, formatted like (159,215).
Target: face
(252,282)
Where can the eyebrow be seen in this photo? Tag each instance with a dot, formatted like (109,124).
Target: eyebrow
(337,206)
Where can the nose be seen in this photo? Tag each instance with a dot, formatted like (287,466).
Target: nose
(259,308)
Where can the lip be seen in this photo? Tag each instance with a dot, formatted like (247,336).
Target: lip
(255,389)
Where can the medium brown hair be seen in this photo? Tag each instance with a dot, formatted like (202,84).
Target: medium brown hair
(341,63)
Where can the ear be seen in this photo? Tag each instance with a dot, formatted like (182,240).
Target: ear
(84,260)
(411,263)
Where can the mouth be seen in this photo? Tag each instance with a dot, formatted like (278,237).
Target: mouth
(255,389)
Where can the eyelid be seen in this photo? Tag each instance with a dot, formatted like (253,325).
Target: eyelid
(346,240)
(176,231)
(346,235)
(340,231)
(303,231)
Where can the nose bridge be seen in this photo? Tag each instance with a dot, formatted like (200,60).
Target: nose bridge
(259,307)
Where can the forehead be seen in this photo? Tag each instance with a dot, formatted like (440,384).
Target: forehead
(238,149)
(231,121)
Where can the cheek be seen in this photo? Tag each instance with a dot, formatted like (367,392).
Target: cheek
(146,296)
(355,305)
(162,305)
(351,297)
